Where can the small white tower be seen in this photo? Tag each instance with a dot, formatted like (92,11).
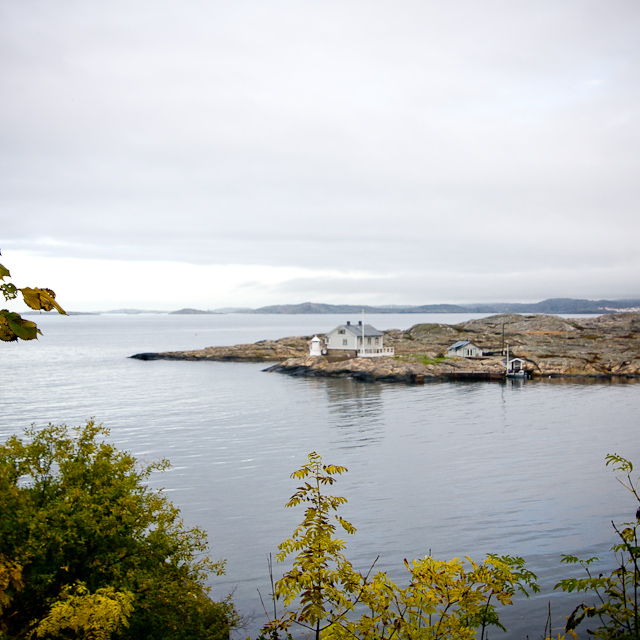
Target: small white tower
(315,347)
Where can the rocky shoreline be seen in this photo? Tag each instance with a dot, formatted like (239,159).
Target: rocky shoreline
(607,346)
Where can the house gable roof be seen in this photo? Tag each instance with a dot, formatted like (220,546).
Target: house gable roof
(459,345)
(356,330)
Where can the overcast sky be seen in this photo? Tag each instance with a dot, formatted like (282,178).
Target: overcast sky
(162,154)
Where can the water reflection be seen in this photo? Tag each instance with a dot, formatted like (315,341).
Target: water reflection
(585,380)
(356,411)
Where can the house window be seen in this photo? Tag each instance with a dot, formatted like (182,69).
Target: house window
(368,340)
(345,342)
(377,340)
(341,331)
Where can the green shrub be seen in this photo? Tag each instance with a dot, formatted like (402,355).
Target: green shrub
(80,526)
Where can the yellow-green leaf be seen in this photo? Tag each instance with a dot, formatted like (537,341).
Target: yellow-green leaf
(13,326)
(41,299)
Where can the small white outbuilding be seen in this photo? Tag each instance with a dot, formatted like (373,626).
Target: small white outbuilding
(464,349)
(316,348)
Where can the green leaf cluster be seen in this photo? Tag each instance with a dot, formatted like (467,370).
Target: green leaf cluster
(12,325)
(87,615)
(81,527)
(324,593)
(444,599)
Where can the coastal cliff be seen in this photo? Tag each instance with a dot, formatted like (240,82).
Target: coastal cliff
(604,346)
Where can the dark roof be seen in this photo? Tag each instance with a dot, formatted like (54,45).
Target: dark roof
(462,343)
(459,345)
(369,331)
(356,330)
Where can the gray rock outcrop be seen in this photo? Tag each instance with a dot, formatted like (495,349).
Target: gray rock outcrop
(604,346)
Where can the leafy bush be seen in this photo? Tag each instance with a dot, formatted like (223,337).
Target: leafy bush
(81,528)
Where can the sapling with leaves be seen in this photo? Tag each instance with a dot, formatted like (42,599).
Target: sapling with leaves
(322,578)
(617,595)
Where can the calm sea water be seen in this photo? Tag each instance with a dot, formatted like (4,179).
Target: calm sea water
(449,468)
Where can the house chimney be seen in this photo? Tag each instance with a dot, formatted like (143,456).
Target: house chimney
(359,323)
(348,322)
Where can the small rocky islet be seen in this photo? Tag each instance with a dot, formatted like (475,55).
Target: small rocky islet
(606,346)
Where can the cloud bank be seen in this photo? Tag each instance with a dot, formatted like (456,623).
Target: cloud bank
(413,152)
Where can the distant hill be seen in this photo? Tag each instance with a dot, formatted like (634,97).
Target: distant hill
(234,310)
(552,305)
(192,312)
(132,312)
(560,305)
(314,307)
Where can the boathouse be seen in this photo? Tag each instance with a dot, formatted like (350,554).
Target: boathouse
(514,365)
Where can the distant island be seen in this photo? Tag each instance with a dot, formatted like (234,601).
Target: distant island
(605,347)
(549,306)
(191,312)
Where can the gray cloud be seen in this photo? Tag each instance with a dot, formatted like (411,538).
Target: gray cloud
(484,142)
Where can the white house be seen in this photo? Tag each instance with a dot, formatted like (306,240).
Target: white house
(464,349)
(364,340)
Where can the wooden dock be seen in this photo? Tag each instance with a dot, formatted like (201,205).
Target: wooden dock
(476,375)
